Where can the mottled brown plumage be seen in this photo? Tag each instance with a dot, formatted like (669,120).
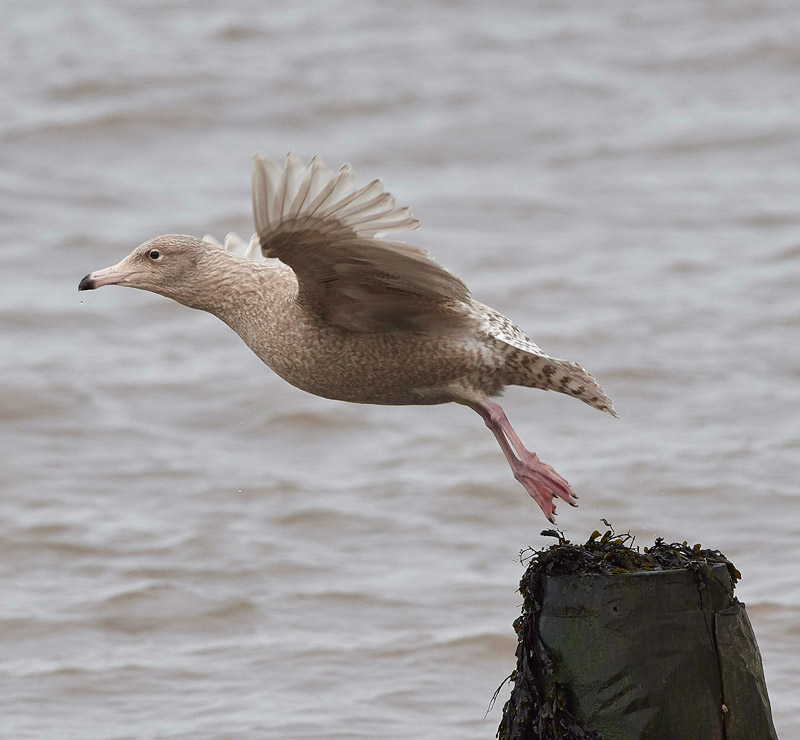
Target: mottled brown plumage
(342,313)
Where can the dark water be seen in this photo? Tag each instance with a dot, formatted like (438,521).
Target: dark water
(191,548)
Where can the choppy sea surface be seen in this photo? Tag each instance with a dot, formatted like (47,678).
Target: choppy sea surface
(189,547)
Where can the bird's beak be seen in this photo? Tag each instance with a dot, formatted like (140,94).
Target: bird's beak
(98,278)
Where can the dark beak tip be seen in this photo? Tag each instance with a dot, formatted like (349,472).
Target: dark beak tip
(86,284)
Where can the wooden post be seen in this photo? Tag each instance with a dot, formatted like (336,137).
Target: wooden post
(622,645)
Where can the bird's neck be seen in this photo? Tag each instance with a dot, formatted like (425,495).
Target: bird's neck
(224,284)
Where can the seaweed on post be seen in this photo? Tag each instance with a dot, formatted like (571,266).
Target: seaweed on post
(585,668)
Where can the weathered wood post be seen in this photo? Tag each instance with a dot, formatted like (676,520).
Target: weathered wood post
(622,645)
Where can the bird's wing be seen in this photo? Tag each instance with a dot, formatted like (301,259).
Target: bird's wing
(503,329)
(329,232)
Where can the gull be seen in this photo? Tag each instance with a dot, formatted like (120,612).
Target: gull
(337,310)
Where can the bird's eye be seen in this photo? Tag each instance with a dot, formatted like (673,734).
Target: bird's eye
(154,255)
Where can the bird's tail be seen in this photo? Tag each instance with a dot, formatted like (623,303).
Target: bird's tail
(551,374)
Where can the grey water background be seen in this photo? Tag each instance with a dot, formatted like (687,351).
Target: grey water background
(191,548)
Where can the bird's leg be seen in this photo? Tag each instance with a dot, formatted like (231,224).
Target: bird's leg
(541,482)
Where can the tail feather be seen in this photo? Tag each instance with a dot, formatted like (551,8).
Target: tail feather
(551,374)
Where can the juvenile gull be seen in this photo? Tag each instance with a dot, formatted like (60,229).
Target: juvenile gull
(339,311)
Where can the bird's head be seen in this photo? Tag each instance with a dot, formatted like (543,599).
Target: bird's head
(170,265)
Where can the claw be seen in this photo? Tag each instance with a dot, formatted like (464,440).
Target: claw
(543,484)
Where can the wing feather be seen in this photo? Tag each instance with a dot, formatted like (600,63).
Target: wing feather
(286,183)
(340,185)
(327,230)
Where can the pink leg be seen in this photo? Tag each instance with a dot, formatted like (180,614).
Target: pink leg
(541,482)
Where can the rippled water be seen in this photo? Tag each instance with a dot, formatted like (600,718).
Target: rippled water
(193,549)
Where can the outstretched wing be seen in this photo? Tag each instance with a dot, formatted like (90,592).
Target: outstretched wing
(329,232)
